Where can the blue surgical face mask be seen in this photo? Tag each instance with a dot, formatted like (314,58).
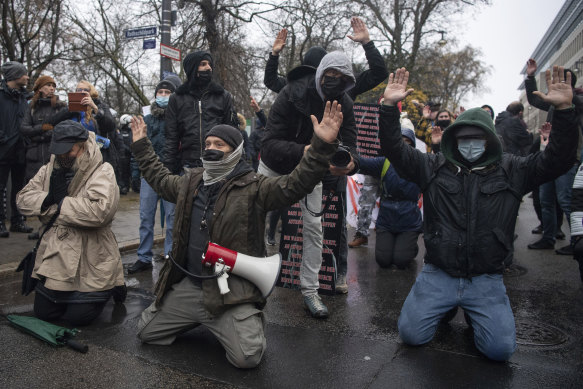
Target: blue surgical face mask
(470,148)
(162,101)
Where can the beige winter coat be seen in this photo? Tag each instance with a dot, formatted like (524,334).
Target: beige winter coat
(80,252)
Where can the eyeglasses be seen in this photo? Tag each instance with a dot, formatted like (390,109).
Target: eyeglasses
(82,90)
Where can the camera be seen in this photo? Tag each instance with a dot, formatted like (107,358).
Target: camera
(342,156)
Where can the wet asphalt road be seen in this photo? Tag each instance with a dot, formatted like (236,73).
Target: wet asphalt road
(356,347)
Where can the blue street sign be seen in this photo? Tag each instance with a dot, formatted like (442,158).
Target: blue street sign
(140,32)
(149,44)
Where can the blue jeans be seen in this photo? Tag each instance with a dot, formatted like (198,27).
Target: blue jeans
(551,192)
(483,298)
(148,205)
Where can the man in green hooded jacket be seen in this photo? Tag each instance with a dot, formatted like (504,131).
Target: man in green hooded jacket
(472,192)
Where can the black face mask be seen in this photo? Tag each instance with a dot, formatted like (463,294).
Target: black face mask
(212,155)
(205,77)
(332,87)
(443,123)
(66,162)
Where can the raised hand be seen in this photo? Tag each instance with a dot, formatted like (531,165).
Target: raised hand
(545,130)
(139,128)
(254,105)
(560,93)
(87,100)
(279,43)
(359,30)
(328,128)
(396,89)
(531,67)
(436,133)
(426,112)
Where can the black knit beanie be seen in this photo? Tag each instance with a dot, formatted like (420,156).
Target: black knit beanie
(229,134)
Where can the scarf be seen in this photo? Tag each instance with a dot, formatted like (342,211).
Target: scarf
(214,171)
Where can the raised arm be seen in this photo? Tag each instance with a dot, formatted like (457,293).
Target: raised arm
(271,79)
(410,163)
(560,153)
(377,70)
(530,86)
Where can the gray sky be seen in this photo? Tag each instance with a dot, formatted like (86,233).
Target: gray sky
(507,32)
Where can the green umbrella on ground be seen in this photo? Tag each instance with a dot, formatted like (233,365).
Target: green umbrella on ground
(50,333)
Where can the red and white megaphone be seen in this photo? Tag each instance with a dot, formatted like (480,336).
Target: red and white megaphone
(262,272)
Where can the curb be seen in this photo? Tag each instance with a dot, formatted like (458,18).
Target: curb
(9,269)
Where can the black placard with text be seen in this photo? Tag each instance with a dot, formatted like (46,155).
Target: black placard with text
(291,245)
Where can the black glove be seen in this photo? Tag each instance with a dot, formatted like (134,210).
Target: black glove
(58,188)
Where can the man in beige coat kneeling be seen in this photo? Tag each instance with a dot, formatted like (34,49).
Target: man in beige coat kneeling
(78,262)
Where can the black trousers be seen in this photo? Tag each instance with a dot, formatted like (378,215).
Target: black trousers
(397,249)
(78,314)
(11,165)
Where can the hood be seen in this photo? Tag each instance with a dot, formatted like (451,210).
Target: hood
(192,60)
(310,63)
(472,117)
(338,61)
(409,134)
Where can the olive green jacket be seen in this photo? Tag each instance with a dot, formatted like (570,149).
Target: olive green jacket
(238,221)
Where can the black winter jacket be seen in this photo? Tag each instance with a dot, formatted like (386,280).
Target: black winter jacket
(189,119)
(514,133)
(37,140)
(469,215)
(365,81)
(13,107)
(289,127)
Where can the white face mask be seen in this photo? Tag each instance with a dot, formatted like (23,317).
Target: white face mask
(471,149)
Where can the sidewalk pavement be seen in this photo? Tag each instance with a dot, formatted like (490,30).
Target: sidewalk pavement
(125,227)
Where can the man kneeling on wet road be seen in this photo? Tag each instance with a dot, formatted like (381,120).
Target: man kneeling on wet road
(78,261)
(472,192)
(224,202)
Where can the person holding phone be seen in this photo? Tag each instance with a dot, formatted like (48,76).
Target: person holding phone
(87,108)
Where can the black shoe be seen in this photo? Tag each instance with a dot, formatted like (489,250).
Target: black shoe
(3,231)
(20,227)
(542,244)
(560,235)
(565,250)
(270,241)
(139,266)
(119,293)
(123,190)
(538,230)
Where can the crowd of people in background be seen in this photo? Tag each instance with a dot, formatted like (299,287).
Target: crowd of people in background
(192,154)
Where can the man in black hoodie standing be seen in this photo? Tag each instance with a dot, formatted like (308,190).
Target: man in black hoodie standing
(13,107)
(197,106)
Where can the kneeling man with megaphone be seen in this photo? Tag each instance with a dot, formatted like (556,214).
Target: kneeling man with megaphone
(224,202)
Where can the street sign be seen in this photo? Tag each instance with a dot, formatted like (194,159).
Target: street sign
(149,44)
(140,32)
(169,52)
